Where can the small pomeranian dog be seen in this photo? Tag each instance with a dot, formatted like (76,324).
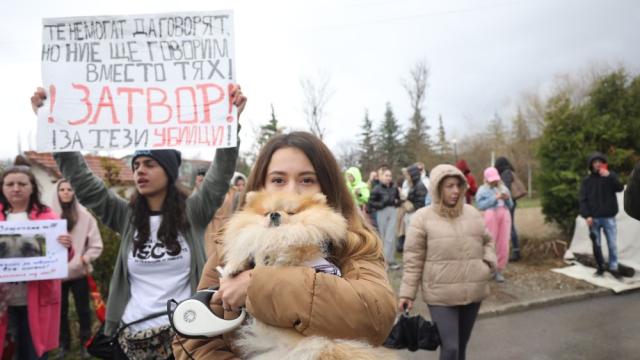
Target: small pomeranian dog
(284,229)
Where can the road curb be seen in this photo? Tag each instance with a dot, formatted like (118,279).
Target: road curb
(542,302)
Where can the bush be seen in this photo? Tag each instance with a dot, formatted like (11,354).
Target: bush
(103,266)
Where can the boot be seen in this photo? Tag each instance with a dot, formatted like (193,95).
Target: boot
(616,274)
(599,272)
(515,255)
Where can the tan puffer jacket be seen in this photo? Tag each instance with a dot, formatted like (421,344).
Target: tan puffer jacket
(448,251)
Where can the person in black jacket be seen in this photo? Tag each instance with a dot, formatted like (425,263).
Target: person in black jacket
(505,169)
(415,199)
(384,200)
(599,206)
(632,194)
(417,192)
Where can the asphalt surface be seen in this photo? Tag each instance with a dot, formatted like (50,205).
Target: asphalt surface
(601,328)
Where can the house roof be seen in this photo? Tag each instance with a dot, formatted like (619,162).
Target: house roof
(94,162)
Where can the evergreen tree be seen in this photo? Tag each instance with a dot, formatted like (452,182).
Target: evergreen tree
(269,130)
(389,146)
(368,156)
(443,148)
(608,120)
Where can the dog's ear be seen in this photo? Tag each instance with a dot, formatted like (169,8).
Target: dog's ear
(319,198)
(250,197)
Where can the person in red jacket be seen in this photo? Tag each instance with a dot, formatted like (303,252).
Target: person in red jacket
(471,181)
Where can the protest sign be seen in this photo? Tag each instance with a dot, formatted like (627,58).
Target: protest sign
(29,250)
(138,82)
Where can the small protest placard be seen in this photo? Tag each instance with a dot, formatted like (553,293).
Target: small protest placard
(138,82)
(29,250)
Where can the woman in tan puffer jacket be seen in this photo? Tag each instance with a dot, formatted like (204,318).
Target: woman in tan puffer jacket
(451,256)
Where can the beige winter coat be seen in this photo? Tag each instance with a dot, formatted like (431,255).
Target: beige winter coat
(447,252)
(358,305)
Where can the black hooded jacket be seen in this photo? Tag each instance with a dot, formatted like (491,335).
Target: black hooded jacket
(598,193)
(505,169)
(418,191)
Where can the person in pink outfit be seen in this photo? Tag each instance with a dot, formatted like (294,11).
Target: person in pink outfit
(494,198)
(32,308)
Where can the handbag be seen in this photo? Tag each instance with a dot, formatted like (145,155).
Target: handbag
(413,333)
(103,346)
(518,190)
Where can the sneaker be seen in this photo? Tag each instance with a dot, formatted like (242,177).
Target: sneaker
(599,273)
(499,277)
(394,266)
(616,274)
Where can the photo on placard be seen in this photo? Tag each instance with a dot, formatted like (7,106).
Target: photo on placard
(22,246)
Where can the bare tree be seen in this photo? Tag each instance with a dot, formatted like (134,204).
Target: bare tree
(347,154)
(417,142)
(316,96)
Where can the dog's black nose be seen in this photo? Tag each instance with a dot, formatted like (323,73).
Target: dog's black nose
(275,218)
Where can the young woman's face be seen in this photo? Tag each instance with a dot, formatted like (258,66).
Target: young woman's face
(291,171)
(451,190)
(386,177)
(17,189)
(240,184)
(149,176)
(65,193)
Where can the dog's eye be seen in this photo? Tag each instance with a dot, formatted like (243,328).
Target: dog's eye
(290,213)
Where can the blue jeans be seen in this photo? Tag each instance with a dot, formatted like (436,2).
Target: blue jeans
(610,231)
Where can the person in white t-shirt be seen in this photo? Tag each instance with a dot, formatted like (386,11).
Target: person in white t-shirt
(161,252)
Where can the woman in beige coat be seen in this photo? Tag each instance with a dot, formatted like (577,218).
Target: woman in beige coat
(451,256)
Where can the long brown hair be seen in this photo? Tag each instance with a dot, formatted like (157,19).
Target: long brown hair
(174,218)
(362,242)
(69,210)
(34,199)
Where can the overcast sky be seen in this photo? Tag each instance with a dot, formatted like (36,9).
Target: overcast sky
(482,55)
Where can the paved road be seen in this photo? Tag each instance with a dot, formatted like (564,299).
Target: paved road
(601,328)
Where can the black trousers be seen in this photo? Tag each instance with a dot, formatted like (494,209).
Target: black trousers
(455,324)
(19,327)
(80,290)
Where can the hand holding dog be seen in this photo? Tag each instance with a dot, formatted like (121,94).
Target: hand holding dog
(232,293)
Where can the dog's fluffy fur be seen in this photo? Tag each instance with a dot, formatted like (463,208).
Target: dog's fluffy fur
(287,230)
(19,246)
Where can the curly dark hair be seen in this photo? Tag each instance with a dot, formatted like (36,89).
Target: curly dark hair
(34,199)
(174,218)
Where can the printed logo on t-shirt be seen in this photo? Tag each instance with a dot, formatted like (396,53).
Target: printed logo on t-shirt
(156,251)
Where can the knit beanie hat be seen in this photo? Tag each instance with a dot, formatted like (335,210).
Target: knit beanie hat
(169,159)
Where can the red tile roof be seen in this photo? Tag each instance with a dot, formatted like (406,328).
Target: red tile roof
(46,161)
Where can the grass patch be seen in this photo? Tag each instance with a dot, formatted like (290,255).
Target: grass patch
(527,202)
